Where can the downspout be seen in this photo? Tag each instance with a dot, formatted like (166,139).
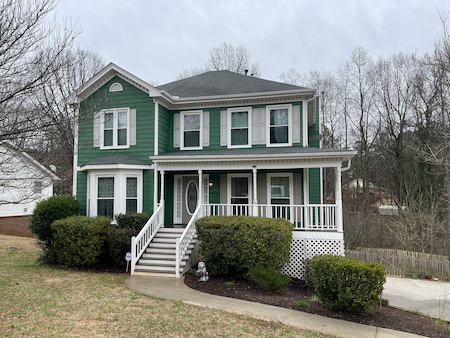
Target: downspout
(75,153)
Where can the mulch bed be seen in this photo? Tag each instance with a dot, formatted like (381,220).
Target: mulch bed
(386,317)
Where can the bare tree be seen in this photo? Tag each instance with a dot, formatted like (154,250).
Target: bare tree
(226,57)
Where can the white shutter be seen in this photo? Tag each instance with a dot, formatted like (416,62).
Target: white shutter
(255,126)
(97,130)
(223,127)
(262,126)
(296,136)
(132,127)
(176,130)
(206,129)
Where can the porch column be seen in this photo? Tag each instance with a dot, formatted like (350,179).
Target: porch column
(162,186)
(155,187)
(255,198)
(338,194)
(200,187)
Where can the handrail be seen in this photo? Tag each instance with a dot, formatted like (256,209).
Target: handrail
(186,237)
(140,242)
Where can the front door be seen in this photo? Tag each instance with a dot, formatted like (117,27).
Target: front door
(240,193)
(186,195)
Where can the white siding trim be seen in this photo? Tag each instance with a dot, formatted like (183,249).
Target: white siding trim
(305,186)
(305,123)
(156,137)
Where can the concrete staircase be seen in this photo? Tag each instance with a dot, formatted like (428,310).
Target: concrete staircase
(159,257)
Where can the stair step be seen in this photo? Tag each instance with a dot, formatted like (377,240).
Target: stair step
(144,268)
(157,262)
(164,251)
(165,257)
(171,230)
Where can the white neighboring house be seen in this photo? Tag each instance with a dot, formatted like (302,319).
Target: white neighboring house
(23,181)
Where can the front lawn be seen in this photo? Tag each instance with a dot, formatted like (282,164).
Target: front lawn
(38,300)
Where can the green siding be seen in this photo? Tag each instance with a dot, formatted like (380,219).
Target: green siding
(131,97)
(214,189)
(147,203)
(165,130)
(82,191)
(168,193)
(314,186)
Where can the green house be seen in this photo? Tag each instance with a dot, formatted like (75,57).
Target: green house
(219,143)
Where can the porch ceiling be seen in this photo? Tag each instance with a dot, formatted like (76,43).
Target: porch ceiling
(262,158)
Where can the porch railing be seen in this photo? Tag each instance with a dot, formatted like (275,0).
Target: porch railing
(185,239)
(140,242)
(304,217)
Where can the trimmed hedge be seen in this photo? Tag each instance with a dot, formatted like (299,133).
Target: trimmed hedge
(44,214)
(80,240)
(346,283)
(132,220)
(119,241)
(230,245)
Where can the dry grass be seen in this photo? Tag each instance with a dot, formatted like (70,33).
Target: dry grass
(40,301)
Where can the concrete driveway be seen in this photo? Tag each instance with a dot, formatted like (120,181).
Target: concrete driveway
(419,295)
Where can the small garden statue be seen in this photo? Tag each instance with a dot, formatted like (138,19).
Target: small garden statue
(202,272)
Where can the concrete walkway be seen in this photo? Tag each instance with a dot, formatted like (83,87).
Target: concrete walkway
(419,295)
(175,289)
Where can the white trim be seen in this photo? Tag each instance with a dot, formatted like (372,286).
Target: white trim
(115,87)
(115,129)
(155,187)
(332,235)
(156,137)
(291,187)
(176,219)
(89,167)
(192,112)
(289,124)
(320,123)
(230,111)
(249,176)
(321,185)
(75,154)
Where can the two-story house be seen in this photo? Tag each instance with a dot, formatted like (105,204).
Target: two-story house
(219,143)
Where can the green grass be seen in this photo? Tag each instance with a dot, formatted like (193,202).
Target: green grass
(39,300)
(229,283)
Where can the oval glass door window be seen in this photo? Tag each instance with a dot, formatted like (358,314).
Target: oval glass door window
(191,197)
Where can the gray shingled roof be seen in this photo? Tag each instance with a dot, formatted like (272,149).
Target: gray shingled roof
(253,151)
(117,159)
(222,82)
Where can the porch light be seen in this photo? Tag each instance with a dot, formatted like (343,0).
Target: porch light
(210,183)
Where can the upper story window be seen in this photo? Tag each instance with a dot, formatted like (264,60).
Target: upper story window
(116,128)
(239,131)
(191,130)
(37,187)
(279,125)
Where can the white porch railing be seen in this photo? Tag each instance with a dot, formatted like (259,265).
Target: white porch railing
(304,217)
(183,242)
(143,239)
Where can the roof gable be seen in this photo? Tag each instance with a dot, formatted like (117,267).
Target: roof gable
(223,82)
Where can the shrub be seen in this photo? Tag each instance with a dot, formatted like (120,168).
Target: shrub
(302,303)
(269,279)
(44,214)
(230,245)
(132,220)
(80,240)
(347,283)
(119,241)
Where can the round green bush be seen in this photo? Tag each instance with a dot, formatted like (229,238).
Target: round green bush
(80,240)
(231,245)
(45,213)
(346,283)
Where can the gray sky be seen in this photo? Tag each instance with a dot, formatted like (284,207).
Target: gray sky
(156,40)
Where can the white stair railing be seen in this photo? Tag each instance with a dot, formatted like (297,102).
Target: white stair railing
(183,242)
(140,242)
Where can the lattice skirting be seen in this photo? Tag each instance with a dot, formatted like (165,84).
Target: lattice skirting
(193,258)
(307,248)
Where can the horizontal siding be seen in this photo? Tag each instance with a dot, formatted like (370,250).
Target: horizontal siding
(147,203)
(82,191)
(165,130)
(314,129)
(314,186)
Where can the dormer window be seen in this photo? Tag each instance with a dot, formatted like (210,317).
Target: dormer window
(279,122)
(239,132)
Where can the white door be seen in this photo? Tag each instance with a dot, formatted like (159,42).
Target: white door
(186,195)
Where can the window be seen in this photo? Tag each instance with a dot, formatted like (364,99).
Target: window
(131,202)
(239,131)
(105,196)
(38,187)
(115,128)
(278,125)
(191,130)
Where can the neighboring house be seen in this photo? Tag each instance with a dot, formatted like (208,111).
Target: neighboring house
(353,192)
(23,182)
(216,143)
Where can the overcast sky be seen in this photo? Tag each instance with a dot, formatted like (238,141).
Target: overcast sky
(156,40)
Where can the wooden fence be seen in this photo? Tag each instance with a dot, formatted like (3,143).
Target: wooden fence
(406,265)
(396,252)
